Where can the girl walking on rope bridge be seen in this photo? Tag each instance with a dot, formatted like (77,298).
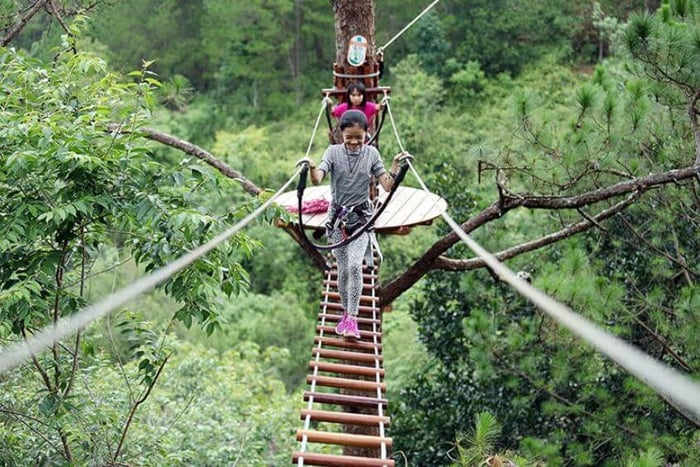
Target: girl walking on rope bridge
(351,165)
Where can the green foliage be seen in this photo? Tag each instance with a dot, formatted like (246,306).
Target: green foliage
(666,46)
(553,395)
(209,409)
(472,449)
(467,83)
(167,32)
(404,356)
(475,96)
(478,448)
(275,323)
(73,187)
(176,93)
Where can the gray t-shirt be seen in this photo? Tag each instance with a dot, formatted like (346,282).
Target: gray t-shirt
(351,173)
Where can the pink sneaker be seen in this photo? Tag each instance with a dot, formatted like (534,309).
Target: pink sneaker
(342,324)
(351,329)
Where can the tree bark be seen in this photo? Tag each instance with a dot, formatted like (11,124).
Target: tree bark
(353,17)
(193,150)
(17,28)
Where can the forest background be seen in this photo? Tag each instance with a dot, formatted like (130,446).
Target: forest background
(561,97)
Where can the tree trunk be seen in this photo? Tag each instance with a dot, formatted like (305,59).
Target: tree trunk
(352,18)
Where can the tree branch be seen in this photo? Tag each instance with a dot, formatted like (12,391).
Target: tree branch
(640,238)
(193,150)
(59,18)
(587,223)
(39,368)
(136,406)
(20,418)
(508,202)
(693,113)
(17,28)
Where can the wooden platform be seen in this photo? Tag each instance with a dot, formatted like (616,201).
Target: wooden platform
(408,207)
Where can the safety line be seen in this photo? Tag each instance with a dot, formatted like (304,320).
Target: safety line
(393,126)
(324,104)
(427,9)
(16,354)
(665,380)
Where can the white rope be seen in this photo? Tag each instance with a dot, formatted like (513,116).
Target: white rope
(665,380)
(393,126)
(324,104)
(307,419)
(427,9)
(15,355)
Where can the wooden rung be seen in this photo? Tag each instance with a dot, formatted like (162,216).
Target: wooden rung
(345,355)
(345,399)
(337,341)
(332,460)
(363,298)
(344,439)
(345,343)
(334,285)
(344,417)
(346,383)
(366,276)
(337,306)
(330,330)
(342,369)
(335,318)
(336,309)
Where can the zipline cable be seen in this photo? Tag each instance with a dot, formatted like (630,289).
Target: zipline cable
(663,379)
(427,9)
(16,354)
(324,106)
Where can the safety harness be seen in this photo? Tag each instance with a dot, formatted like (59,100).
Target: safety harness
(353,231)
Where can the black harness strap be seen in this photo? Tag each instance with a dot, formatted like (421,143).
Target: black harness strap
(301,186)
(379,128)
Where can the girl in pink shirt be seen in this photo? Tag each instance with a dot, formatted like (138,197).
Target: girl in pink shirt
(357,100)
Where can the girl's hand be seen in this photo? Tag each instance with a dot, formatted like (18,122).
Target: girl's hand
(398,158)
(307,161)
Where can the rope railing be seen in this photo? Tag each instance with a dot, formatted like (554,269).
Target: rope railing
(666,381)
(18,353)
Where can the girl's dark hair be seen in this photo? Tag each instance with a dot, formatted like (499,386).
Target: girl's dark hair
(353,118)
(359,87)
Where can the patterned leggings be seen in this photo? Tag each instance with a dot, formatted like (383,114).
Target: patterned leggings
(349,259)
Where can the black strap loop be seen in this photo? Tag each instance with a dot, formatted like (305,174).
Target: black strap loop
(366,226)
(375,136)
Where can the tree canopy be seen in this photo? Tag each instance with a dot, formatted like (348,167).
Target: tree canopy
(564,137)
